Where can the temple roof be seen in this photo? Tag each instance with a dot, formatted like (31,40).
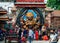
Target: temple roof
(56,13)
(2,11)
(4,17)
(3,14)
(48,9)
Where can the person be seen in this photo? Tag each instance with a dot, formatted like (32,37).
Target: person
(45,37)
(58,38)
(40,35)
(59,35)
(36,35)
(1,35)
(25,32)
(24,35)
(20,32)
(30,35)
(53,36)
(43,31)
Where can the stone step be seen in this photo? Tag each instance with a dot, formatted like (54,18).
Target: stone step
(34,41)
(39,42)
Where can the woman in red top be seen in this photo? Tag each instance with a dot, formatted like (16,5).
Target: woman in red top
(36,35)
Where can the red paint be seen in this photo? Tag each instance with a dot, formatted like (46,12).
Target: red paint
(29,0)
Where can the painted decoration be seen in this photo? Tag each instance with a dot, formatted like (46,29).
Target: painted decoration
(30,0)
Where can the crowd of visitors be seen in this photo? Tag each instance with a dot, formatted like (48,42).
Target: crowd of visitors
(31,29)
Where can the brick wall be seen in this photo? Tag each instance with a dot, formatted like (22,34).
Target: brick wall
(55,21)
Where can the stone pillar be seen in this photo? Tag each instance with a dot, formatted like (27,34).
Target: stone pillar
(48,12)
(14,15)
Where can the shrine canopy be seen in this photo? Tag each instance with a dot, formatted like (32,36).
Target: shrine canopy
(30,3)
(3,15)
(30,0)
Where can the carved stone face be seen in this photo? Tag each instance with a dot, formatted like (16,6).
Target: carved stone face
(29,16)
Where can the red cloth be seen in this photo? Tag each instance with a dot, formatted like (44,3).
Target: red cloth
(45,37)
(36,35)
(23,39)
(11,31)
(46,24)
